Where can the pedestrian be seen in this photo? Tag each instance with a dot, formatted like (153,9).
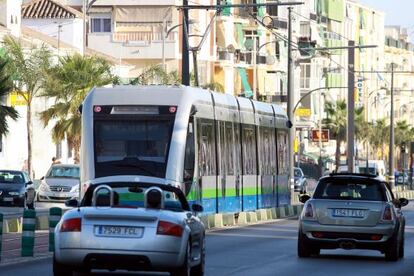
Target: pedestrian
(55,161)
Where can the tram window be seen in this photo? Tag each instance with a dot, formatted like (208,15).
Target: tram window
(237,146)
(206,147)
(273,151)
(265,150)
(189,158)
(282,152)
(249,150)
(230,148)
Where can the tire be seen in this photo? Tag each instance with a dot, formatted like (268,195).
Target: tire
(393,250)
(22,202)
(184,269)
(60,269)
(198,270)
(303,249)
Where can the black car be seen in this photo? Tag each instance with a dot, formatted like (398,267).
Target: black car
(13,188)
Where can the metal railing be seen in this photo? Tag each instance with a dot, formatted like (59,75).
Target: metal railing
(141,36)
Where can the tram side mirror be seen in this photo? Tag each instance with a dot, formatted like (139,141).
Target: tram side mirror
(197,208)
(289,124)
(80,108)
(304,198)
(42,178)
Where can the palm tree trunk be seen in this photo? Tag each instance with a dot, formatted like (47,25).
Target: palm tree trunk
(337,153)
(29,128)
(76,149)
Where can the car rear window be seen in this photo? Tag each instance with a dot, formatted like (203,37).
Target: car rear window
(349,189)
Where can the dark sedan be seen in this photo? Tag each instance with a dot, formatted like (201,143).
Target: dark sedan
(13,188)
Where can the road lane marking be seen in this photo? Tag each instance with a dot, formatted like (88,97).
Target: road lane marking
(251,236)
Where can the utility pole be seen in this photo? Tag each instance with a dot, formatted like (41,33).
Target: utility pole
(185,60)
(351,107)
(58,47)
(391,157)
(254,56)
(84,2)
(164,26)
(291,99)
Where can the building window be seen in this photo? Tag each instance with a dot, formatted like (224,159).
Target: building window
(305,75)
(101,25)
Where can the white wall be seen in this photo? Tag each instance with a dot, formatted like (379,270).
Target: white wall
(10,15)
(71,30)
(43,149)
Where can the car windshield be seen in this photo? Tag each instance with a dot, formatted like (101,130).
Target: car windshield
(369,170)
(132,147)
(298,173)
(349,189)
(11,177)
(131,195)
(64,172)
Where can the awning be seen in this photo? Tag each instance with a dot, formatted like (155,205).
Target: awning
(100,10)
(246,86)
(143,14)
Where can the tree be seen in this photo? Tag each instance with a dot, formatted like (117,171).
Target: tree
(68,84)
(6,86)
(27,67)
(379,136)
(336,122)
(156,74)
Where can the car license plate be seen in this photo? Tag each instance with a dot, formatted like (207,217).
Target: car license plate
(119,231)
(352,213)
(8,199)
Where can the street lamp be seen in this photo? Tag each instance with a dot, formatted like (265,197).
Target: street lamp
(86,7)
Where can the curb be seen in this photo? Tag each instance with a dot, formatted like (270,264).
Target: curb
(218,221)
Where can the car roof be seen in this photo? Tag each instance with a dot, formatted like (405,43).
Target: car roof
(65,165)
(11,171)
(353,176)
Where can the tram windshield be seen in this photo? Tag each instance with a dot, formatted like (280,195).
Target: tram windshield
(132,147)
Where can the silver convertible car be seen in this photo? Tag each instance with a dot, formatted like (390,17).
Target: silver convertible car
(352,211)
(130,226)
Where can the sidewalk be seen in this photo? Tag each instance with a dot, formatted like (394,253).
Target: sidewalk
(11,247)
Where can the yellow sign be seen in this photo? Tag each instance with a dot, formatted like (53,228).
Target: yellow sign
(296,145)
(303,112)
(18,98)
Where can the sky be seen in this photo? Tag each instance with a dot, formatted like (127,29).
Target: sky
(398,12)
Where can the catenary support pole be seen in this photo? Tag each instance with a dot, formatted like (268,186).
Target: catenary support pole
(391,157)
(185,60)
(351,107)
(28,232)
(291,99)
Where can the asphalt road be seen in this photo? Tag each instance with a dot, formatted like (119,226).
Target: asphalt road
(270,249)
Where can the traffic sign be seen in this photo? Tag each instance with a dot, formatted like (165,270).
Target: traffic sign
(303,112)
(315,135)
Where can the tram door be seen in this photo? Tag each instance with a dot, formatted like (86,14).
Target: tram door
(283,189)
(206,176)
(229,151)
(249,167)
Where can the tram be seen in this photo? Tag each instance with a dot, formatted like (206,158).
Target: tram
(227,153)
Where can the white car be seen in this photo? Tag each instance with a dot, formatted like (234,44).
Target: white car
(60,183)
(130,226)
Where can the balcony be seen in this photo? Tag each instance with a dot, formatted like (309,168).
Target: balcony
(134,45)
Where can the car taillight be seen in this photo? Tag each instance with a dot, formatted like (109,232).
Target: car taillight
(387,215)
(71,225)
(169,229)
(309,211)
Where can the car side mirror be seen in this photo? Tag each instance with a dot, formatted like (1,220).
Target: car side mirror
(28,183)
(304,198)
(43,178)
(72,203)
(197,208)
(403,202)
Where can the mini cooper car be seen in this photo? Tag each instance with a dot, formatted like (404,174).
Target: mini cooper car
(130,226)
(352,211)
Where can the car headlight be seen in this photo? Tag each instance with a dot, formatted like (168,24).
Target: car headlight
(14,193)
(44,187)
(296,181)
(75,189)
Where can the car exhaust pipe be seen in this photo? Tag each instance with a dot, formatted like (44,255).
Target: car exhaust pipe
(347,245)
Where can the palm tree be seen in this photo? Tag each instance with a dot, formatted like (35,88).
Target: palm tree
(156,74)
(68,83)
(336,122)
(6,86)
(27,67)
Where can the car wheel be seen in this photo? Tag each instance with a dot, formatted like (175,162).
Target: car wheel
(199,269)
(60,269)
(393,249)
(303,249)
(184,269)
